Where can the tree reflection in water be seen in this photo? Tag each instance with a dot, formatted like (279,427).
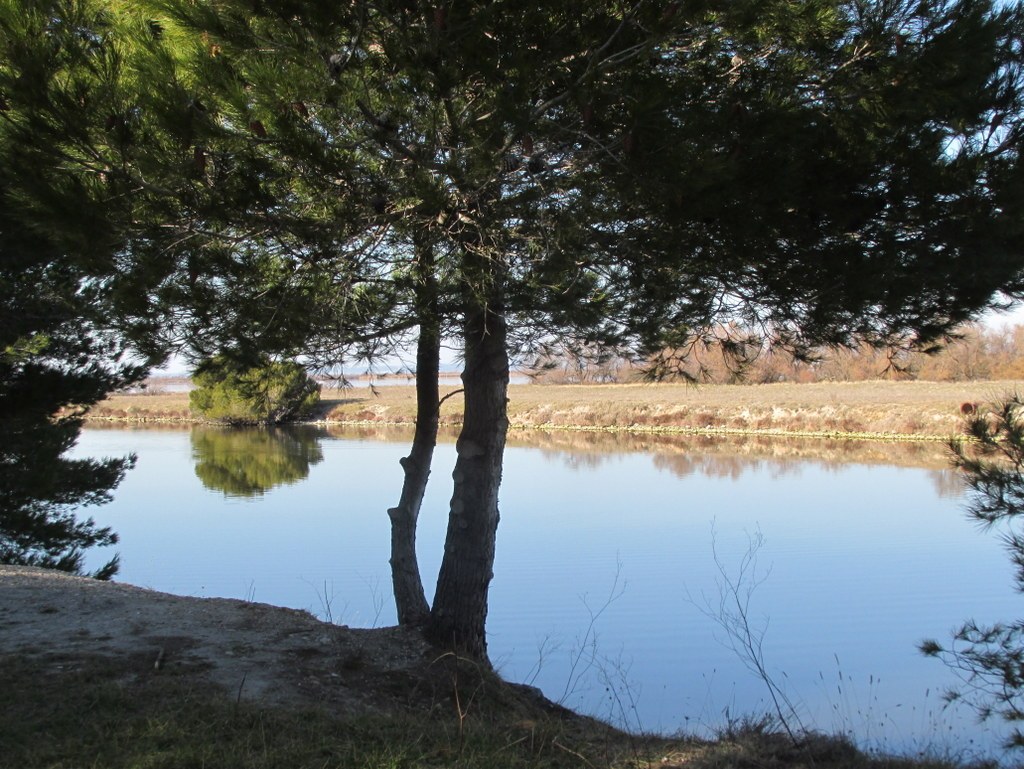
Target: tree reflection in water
(248,461)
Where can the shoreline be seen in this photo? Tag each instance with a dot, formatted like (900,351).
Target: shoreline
(873,410)
(709,432)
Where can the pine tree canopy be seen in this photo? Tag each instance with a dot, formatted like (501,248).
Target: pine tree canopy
(65,283)
(628,173)
(294,177)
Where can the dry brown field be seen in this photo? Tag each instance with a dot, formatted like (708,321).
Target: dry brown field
(863,409)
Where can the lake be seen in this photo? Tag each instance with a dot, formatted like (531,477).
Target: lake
(612,551)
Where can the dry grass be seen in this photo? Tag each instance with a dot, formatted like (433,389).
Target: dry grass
(144,407)
(923,409)
(862,409)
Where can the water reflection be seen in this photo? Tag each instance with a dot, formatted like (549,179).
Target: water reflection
(602,446)
(948,483)
(250,461)
(732,457)
(247,462)
(591,448)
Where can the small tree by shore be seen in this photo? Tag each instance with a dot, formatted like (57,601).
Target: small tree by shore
(270,392)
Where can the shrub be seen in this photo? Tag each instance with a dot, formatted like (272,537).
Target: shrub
(989,658)
(268,393)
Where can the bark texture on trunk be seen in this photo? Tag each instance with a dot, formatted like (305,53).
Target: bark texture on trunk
(405,571)
(410,600)
(460,602)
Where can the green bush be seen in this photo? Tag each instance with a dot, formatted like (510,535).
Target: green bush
(269,393)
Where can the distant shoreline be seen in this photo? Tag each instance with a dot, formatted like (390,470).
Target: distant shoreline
(863,410)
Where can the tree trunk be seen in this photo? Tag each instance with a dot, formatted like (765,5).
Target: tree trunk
(405,571)
(410,600)
(460,601)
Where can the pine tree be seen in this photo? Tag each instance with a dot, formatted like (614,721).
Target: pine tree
(52,364)
(340,178)
(66,285)
(268,393)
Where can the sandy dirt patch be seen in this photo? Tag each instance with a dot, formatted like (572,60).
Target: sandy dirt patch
(253,651)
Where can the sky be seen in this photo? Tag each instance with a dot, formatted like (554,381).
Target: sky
(1011,317)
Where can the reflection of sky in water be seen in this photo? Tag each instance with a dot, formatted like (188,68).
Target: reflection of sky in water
(861,562)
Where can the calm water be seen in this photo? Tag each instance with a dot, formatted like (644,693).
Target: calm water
(605,570)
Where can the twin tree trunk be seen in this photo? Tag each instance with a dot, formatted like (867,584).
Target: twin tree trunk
(457,619)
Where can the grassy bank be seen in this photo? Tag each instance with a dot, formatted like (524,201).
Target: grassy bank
(862,409)
(104,674)
(64,712)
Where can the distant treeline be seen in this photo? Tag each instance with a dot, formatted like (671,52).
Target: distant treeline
(979,352)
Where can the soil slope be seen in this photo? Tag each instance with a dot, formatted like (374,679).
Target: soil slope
(251,651)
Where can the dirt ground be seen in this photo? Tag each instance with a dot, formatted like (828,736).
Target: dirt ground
(252,651)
